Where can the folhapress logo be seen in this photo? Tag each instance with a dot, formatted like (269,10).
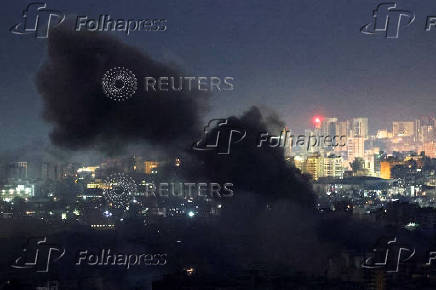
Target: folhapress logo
(38,20)
(389,257)
(388,20)
(219,136)
(38,255)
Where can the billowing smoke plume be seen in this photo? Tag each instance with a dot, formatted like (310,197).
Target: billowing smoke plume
(82,116)
(255,169)
(271,218)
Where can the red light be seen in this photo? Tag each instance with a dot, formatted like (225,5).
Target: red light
(316,120)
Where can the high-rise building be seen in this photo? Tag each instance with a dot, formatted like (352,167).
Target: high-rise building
(359,127)
(333,166)
(329,127)
(343,128)
(17,170)
(403,129)
(313,165)
(52,171)
(372,161)
(355,148)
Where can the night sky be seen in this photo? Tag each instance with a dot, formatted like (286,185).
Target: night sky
(299,58)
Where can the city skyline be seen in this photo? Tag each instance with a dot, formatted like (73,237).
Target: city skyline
(218,144)
(344,72)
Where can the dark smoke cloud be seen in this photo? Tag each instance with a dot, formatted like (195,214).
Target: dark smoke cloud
(270,220)
(258,170)
(83,117)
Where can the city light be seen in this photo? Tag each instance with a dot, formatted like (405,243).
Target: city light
(317,120)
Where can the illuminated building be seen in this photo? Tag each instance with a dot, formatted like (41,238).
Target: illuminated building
(355,148)
(386,167)
(9,192)
(382,134)
(430,149)
(419,159)
(333,166)
(385,170)
(403,129)
(87,171)
(314,165)
(298,162)
(372,162)
(95,185)
(359,127)
(151,167)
